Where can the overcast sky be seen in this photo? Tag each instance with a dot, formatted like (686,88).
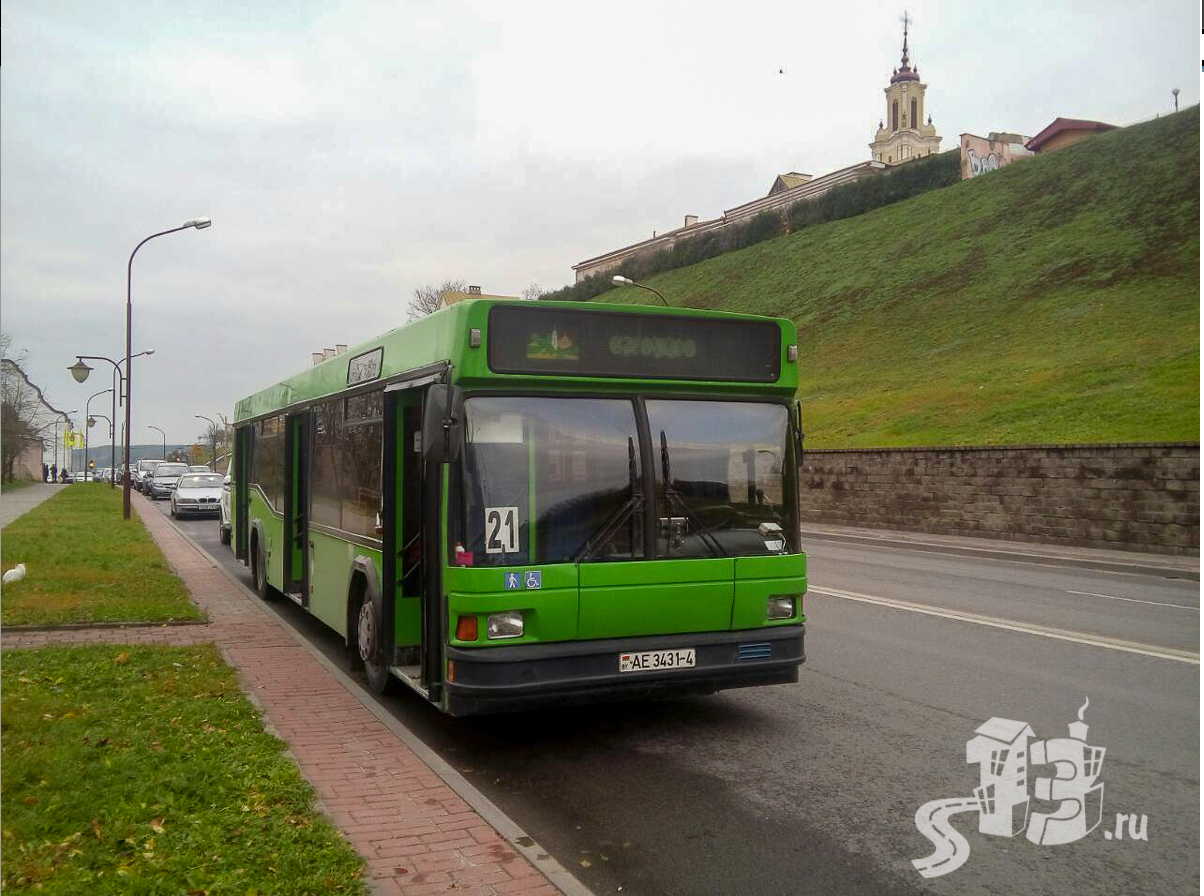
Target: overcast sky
(349,153)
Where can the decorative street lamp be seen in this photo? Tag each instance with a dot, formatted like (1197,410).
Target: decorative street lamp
(112,442)
(199,224)
(66,418)
(626,281)
(88,422)
(80,371)
(160,432)
(1175,91)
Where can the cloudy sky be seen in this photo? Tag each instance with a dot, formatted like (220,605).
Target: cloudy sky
(350,152)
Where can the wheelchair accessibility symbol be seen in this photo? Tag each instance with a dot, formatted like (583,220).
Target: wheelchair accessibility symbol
(516,581)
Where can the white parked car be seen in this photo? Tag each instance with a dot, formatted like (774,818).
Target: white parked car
(197,493)
(225,524)
(162,482)
(199,468)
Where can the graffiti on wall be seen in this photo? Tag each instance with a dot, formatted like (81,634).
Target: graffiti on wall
(981,155)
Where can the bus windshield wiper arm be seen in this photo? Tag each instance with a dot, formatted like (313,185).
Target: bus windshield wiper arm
(672,495)
(634,504)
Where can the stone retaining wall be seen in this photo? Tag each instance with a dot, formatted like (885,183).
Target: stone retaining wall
(1141,496)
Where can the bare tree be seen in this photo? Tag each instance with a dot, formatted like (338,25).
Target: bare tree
(25,417)
(533,292)
(429,298)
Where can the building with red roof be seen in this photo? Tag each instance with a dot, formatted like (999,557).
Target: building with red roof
(1065,131)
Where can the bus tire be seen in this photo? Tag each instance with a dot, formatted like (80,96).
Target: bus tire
(365,637)
(259,572)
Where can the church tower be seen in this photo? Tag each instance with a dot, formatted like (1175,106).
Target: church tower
(905,133)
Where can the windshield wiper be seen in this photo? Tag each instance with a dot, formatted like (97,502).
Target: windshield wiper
(672,495)
(633,505)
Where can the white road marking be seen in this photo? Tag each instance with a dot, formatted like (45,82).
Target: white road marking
(1164,653)
(1133,600)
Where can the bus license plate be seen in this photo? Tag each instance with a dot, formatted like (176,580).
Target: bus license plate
(651,660)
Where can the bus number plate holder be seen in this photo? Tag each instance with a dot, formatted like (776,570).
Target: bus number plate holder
(654,660)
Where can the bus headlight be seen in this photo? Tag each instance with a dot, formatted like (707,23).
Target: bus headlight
(504,625)
(780,606)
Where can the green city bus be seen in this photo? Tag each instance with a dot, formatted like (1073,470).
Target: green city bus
(509,504)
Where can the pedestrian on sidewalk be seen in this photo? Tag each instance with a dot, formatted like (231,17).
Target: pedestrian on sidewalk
(45,472)
(54,472)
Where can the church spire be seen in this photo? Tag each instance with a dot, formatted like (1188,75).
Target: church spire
(905,72)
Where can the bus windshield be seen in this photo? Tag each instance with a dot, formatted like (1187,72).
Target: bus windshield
(576,466)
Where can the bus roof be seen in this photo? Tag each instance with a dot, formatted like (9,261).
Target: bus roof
(443,342)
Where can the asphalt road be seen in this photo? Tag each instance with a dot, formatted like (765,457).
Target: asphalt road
(814,787)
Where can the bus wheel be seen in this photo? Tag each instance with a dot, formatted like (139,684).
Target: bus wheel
(259,572)
(367,635)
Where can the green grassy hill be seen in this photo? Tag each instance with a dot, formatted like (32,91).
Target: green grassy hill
(1055,300)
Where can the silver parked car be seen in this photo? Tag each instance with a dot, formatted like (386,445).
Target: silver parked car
(197,493)
(142,473)
(198,468)
(162,482)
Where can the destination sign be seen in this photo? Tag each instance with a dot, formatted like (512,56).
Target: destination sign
(366,367)
(571,342)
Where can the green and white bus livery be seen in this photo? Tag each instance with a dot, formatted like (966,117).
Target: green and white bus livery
(511,504)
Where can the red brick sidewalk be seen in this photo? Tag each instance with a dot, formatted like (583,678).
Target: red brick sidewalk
(416,834)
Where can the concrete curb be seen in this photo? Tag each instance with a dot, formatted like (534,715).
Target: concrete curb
(508,828)
(1119,566)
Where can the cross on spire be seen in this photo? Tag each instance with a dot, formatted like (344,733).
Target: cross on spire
(906,20)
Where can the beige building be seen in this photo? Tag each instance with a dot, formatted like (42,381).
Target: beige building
(905,133)
(786,190)
(1064,132)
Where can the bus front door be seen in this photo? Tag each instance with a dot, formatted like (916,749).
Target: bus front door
(403,531)
(296,509)
(240,470)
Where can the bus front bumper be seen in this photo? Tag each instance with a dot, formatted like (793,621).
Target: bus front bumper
(504,679)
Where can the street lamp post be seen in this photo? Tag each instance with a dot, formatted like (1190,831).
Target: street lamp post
(1175,91)
(112,443)
(627,281)
(199,224)
(88,423)
(160,432)
(80,371)
(212,437)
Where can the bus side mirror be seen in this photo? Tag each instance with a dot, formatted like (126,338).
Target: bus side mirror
(443,423)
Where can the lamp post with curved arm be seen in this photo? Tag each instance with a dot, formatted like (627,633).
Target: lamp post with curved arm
(88,422)
(213,440)
(163,434)
(618,280)
(80,371)
(112,443)
(199,224)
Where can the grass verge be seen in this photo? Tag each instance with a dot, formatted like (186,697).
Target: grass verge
(12,485)
(144,770)
(1050,301)
(84,563)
